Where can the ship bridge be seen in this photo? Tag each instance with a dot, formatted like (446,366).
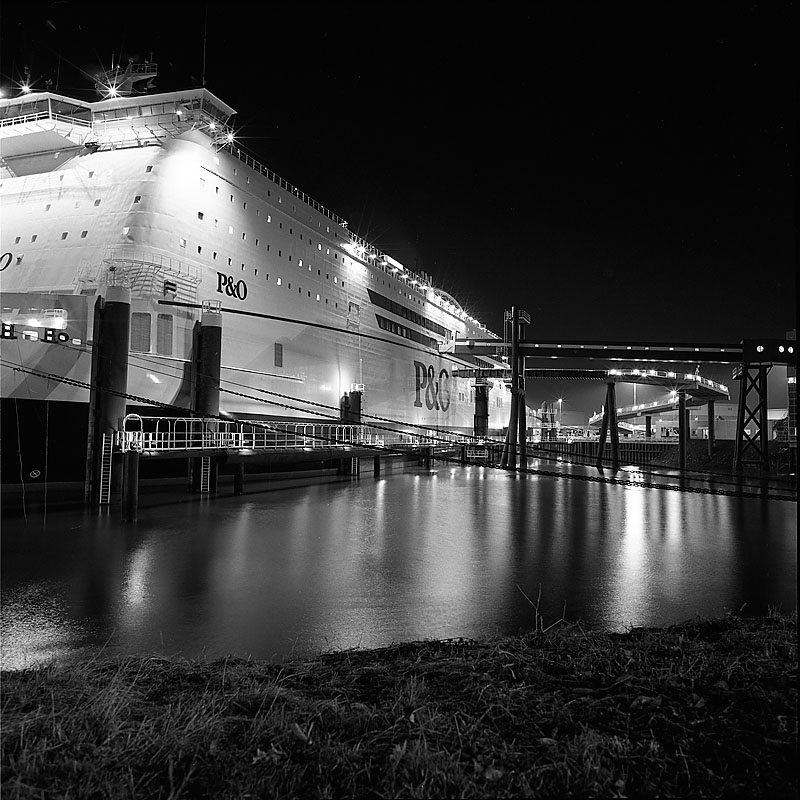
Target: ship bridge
(42,130)
(39,132)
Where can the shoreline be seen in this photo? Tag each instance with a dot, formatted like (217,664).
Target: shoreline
(704,708)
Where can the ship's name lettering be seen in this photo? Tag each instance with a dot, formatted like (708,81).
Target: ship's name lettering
(437,392)
(5,260)
(8,330)
(230,287)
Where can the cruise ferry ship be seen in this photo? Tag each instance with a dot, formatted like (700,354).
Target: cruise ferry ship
(152,192)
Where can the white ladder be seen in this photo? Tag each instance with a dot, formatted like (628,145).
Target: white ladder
(105,469)
(205,473)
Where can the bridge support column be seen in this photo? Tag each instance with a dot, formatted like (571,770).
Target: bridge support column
(683,429)
(107,401)
(238,480)
(648,423)
(130,489)
(711,442)
(522,418)
(208,355)
(752,411)
(207,369)
(480,425)
(376,466)
(513,444)
(609,422)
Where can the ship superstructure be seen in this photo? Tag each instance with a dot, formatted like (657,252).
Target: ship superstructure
(153,192)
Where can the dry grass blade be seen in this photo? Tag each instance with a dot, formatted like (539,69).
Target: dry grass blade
(707,708)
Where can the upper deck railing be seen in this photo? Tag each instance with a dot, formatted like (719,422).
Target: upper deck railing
(40,115)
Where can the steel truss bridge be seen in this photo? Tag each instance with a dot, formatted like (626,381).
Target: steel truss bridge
(752,360)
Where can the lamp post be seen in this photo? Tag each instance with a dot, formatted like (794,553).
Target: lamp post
(560,401)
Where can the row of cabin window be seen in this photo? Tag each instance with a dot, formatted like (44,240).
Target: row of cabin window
(149,168)
(140,336)
(48,206)
(182,243)
(35,236)
(258,210)
(201,216)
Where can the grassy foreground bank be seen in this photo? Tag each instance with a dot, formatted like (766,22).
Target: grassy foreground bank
(704,709)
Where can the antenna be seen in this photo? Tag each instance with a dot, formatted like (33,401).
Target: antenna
(205,31)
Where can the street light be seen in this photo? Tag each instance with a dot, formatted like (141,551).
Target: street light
(560,401)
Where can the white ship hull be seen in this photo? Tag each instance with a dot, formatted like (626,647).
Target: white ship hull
(139,195)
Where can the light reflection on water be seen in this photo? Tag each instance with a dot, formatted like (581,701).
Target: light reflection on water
(462,552)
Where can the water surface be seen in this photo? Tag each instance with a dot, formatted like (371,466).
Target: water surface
(463,552)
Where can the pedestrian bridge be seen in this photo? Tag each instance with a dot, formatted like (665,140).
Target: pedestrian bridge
(702,389)
(698,391)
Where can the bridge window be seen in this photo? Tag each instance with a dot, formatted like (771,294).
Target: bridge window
(140,332)
(164,335)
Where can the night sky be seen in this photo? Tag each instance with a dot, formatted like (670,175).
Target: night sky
(620,171)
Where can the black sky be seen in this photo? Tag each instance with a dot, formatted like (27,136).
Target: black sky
(620,171)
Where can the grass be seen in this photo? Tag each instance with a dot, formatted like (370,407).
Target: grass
(703,709)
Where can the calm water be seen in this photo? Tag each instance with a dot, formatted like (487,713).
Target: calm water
(371,562)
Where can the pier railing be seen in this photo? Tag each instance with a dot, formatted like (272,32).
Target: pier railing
(165,434)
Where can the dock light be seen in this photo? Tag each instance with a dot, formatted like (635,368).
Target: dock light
(229,137)
(25,88)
